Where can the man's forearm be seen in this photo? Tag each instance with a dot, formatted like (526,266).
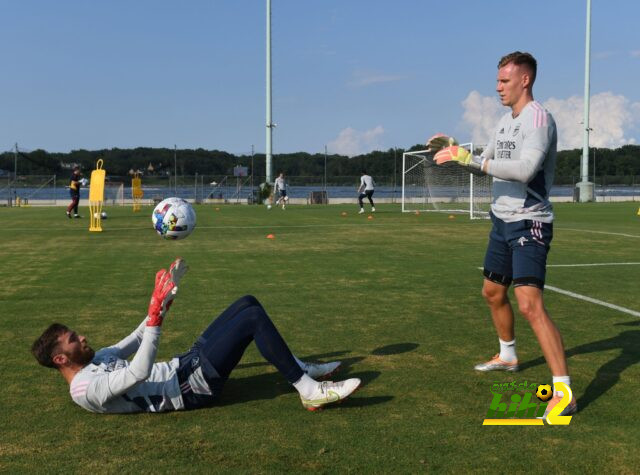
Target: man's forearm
(130,344)
(522,170)
(142,363)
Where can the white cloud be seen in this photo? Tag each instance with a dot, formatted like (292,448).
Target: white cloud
(352,142)
(481,113)
(612,118)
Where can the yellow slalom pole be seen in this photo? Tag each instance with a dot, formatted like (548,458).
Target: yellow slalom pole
(136,191)
(96,197)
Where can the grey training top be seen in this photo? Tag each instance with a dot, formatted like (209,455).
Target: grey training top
(522,158)
(111,384)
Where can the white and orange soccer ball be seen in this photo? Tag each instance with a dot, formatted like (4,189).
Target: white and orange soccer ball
(174,218)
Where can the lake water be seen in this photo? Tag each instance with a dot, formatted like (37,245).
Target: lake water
(232,193)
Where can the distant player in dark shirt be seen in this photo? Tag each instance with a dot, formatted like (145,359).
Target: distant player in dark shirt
(74,191)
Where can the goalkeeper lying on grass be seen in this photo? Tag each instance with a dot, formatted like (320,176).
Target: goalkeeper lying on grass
(105,382)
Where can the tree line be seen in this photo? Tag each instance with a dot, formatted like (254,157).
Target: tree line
(619,162)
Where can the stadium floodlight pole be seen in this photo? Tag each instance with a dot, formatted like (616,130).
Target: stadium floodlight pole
(270,124)
(586,187)
(15,174)
(395,160)
(325,172)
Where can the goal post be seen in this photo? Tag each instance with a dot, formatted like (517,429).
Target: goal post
(447,188)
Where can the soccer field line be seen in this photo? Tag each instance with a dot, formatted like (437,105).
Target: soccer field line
(298,226)
(600,232)
(255,226)
(594,301)
(596,264)
(591,299)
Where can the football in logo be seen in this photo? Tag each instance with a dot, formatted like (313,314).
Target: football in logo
(544,392)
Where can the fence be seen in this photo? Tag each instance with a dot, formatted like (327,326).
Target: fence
(49,190)
(25,188)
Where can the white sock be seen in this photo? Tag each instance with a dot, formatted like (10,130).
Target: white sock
(306,386)
(560,379)
(508,350)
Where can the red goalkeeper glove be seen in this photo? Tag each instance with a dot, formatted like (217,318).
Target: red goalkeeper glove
(164,292)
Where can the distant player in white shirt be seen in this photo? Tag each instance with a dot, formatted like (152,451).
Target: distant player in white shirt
(106,382)
(366,189)
(521,158)
(281,190)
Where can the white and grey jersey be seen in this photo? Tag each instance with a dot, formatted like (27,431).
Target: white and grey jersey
(280,184)
(366,182)
(111,384)
(522,158)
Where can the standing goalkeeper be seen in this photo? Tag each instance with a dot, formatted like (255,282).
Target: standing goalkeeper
(521,158)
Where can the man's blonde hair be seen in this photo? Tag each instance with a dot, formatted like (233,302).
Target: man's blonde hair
(518,58)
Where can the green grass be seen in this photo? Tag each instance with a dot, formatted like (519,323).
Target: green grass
(396,297)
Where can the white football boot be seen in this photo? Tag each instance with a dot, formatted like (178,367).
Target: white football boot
(329,392)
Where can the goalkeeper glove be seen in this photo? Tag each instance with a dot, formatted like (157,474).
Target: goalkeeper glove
(440,141)
(461,155)
(165,290)
(177,270)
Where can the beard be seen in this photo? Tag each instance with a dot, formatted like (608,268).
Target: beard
(83,356)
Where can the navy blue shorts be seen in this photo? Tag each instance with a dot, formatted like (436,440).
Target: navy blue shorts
(200,383)
(517,252)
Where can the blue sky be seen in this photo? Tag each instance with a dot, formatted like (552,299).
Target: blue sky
(354,75)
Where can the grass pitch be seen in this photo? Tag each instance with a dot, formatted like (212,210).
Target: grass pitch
(396,297)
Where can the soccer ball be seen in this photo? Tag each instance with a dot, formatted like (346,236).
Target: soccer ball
(544,392)
(103,215)
(268,206)
(158,210)
(174,218)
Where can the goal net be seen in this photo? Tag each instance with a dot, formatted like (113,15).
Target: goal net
(114,193)
(449,188)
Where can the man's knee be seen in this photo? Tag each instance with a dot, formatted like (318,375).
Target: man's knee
(530,302)
(494,293)
(251,308)
(249,301)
